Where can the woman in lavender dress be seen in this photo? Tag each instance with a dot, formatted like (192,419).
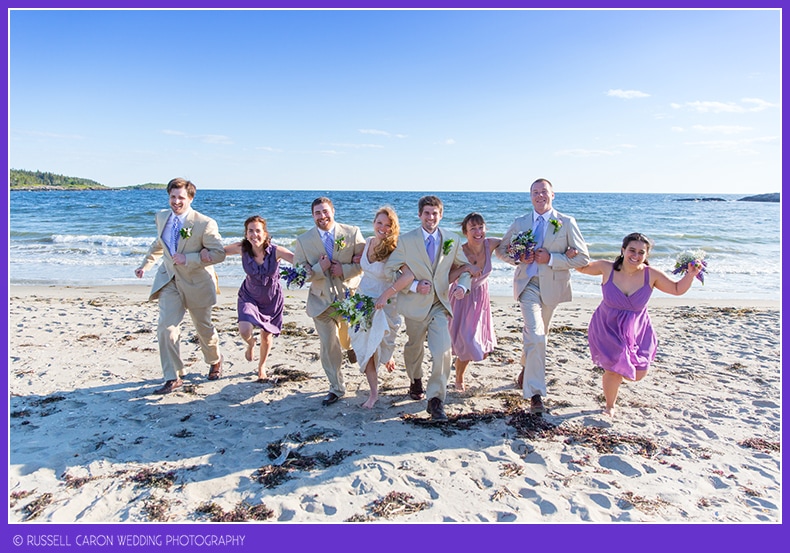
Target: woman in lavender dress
(471,326)
(620,334)
(260,302)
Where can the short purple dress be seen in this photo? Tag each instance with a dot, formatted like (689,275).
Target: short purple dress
(620,334)
(261,295)
(471,326)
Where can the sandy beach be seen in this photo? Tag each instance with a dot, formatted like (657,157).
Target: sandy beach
(696,441)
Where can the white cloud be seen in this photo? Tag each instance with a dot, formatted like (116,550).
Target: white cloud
(678,129)
(213,138)
(374,131)
(331,153)
(759,104)
(268,149)
(449,141)
(627,94)
(751,105)
(381,133)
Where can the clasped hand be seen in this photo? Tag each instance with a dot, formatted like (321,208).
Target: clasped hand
(424,287)
(334,267)
(540,255)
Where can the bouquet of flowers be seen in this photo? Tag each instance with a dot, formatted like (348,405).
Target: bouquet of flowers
(689,257)
(522,243)
(357,310)
(293,276)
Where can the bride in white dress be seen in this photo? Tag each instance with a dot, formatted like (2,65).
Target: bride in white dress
(374,346)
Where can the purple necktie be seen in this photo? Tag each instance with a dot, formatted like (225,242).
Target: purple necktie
(430,246)
(329,245)
(174,237)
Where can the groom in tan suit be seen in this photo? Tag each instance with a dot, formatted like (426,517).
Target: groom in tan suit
(183,282)
(327,250)
(542,280)
(430,253)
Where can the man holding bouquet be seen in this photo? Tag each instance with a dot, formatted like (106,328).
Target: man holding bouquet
(328,249)
(542,279)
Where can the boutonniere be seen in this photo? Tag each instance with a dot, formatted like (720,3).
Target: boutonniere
(340,242)
(447,245)
(557,224)
(185,232)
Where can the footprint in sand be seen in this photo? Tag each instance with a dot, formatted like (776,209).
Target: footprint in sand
(617,463)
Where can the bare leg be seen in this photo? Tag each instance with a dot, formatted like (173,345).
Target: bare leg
(373,381)
(266,345)
(611,385)
(246,332)
(460,369)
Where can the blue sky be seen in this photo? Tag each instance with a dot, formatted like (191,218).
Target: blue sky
(595,101)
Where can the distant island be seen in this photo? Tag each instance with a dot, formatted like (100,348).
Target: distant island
(772,197)
(39,180)
(700,200)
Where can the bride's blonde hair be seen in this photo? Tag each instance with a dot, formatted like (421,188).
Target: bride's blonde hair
(387,245)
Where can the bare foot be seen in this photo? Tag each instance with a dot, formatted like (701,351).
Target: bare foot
(459,385)
(249,352)
(390,365)
(262,374)
(608,411)
(370,402)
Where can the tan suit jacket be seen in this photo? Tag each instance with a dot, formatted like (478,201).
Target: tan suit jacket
(324,288)
(196,281)
(411,252)
(554,280)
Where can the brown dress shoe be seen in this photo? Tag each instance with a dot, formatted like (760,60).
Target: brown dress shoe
(436,409)
(329,399)
(352,356)
(536,406)
(169,386)
(416,391)
(216,370)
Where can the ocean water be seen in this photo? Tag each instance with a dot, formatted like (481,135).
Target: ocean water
(99,237)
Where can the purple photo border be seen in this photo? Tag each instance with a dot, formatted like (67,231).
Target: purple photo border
(586,537)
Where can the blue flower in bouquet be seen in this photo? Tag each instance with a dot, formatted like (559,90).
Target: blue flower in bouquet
(356,310)
(293,276)
(687,258)
(522,243)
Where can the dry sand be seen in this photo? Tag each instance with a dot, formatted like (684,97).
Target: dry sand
(696,441)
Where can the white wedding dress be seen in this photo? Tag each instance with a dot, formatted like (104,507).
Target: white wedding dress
(378,341)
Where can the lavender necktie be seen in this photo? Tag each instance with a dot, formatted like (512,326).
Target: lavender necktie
(174,238)
(537,234)
(539,231)
(329,245)
(430,246)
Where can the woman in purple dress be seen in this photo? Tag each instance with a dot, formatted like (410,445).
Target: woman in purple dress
(471,326)
(621,337)
(260,302)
